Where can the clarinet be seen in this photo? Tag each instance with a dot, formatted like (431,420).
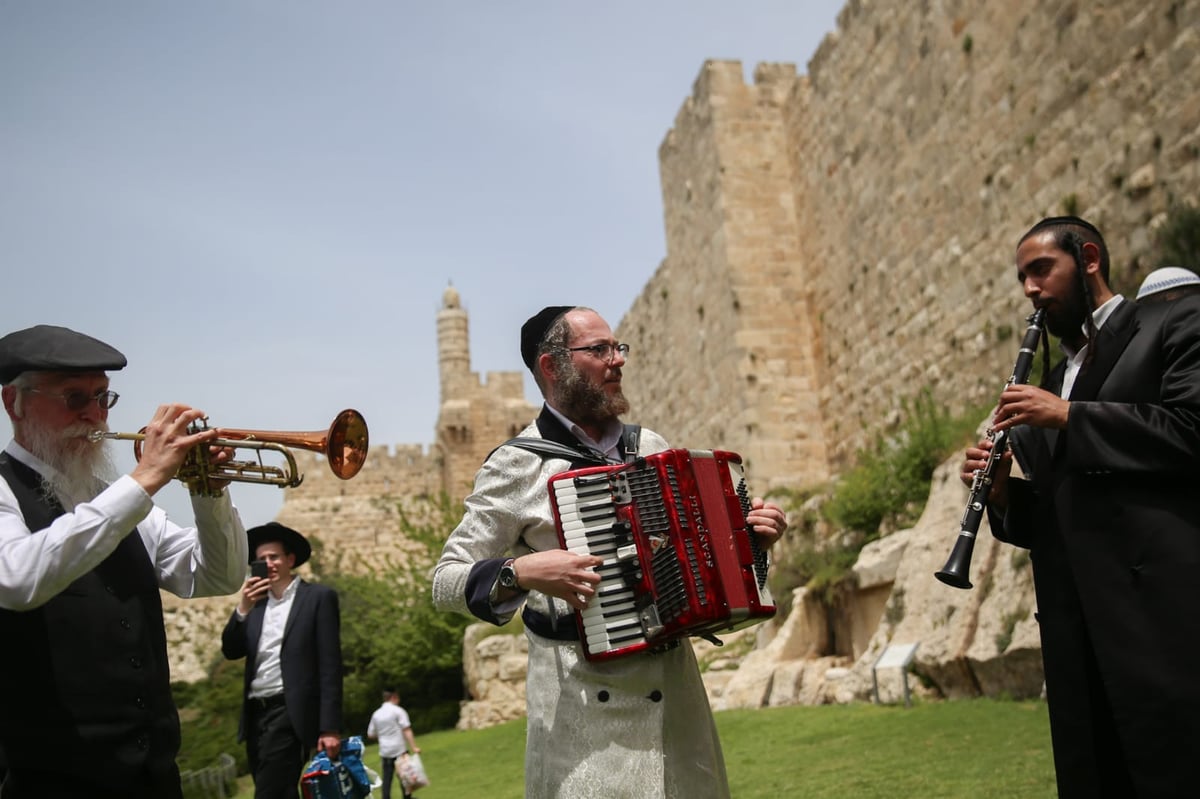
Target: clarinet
(956,572)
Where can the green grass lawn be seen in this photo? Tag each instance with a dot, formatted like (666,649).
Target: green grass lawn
(948,749)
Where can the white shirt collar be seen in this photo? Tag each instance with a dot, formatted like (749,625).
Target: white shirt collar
(288,592)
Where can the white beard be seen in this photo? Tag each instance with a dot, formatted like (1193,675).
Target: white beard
(82,469)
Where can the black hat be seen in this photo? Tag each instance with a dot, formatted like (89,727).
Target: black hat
(292,541)
(47,348)
(534,330)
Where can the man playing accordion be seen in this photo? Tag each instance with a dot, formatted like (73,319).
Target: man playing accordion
(639,723)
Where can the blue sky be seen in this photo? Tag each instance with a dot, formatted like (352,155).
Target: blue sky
(261,203)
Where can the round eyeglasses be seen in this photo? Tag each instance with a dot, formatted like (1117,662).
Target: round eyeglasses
(605,352)
(78,400)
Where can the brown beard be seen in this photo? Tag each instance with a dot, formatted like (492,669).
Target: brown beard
(584,402)
(83,468)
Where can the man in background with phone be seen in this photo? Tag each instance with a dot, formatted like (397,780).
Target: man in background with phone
(289,631)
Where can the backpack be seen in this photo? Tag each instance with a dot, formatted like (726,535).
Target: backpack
(344,778)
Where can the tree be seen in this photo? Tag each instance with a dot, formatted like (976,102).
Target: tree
(391,634)
(1179,239)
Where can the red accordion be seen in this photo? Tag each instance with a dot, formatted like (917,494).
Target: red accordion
(679,558)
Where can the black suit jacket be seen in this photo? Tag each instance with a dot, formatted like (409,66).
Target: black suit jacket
(310,658)
(1111,513)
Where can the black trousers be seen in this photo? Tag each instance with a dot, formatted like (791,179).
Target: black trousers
(276,753)
(389,770)
(34,784)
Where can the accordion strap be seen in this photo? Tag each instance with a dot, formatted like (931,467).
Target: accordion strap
(630,437)
(630,440)
(553,449)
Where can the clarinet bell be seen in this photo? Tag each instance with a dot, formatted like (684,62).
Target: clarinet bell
(957,571)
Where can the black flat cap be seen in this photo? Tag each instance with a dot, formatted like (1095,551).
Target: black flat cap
(534,330)
(274,531)
(47,348)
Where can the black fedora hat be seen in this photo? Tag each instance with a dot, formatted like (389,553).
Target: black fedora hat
(292,541)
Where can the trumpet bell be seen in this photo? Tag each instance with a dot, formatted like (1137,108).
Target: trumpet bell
(347,442)
(344,444)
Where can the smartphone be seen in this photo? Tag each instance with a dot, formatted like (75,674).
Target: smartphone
(258,568)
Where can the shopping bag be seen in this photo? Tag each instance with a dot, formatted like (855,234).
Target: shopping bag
(412,772)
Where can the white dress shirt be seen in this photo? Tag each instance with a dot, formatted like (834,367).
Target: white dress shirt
(1075,359)
(206,560)
(268,671)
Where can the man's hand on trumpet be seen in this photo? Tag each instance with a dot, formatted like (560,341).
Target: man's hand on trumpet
(167,444)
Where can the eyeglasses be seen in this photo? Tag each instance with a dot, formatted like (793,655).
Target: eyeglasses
(78,400)
(604,352)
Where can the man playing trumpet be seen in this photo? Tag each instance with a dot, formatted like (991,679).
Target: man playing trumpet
(87,709)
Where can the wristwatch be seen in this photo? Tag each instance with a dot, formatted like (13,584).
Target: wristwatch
(508,576)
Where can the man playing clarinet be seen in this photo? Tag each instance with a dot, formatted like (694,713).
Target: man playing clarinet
(1109,444)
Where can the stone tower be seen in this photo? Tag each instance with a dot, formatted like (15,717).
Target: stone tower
(474,415)
(727,340)
(454,345)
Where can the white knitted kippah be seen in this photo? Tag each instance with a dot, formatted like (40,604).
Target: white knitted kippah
(1168,277)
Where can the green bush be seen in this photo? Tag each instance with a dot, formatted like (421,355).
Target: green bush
(890,482)
(1179,239)
(391,634)
(887,487)
(208,715)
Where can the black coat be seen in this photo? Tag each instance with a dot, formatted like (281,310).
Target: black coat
(1111,513)
(310,658)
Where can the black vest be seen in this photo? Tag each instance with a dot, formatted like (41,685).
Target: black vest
(85,677)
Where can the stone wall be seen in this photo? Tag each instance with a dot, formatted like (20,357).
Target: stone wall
(839,241)
(728,297)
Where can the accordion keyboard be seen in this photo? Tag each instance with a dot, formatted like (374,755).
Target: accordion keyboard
(590,526)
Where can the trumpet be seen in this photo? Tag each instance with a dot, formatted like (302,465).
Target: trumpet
(957,571)
(344,445)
